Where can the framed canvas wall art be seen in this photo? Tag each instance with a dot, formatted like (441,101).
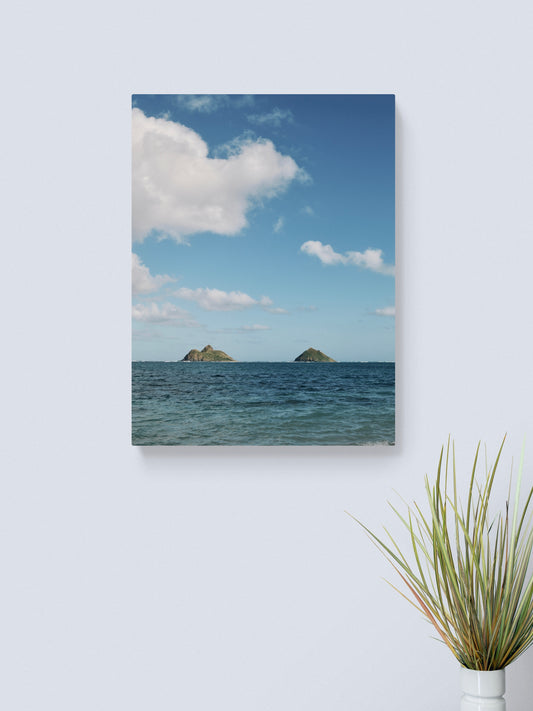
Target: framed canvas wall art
(263,270)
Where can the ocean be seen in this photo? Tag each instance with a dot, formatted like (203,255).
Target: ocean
(262,403)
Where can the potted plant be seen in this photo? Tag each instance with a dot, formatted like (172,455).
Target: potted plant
(467,573)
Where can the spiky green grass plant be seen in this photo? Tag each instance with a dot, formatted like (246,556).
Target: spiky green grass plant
(468,574)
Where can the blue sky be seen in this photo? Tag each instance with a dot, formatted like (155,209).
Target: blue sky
(263,225)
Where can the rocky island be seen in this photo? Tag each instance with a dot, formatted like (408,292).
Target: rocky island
(311,355)
(208,354)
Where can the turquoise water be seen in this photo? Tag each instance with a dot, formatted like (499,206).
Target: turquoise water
(262,403)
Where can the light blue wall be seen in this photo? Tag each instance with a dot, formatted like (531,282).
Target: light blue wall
(212,580)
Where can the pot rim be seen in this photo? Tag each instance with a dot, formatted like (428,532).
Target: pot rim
(489,684)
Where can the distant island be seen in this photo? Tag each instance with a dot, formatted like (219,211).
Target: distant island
(207,354)
(210,355)
(311,355)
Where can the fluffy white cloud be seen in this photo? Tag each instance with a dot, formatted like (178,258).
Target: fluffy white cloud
(278,225)
(179,190)
(142,282)
(369,259)
(218,300)
(324,252)
(308,210)
(387,311)
(166,313)
(272,118)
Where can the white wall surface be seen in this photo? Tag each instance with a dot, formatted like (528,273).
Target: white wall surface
(231,579)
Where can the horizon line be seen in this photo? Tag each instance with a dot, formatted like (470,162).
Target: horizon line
(151,360)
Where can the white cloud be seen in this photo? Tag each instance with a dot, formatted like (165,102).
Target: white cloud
(256,327)
(277,310)
(166,313)
(203,103)
(142,282)
(178,190)
(369,259)
(278,225)
(272,118)
(218,300)
(387,311)
(324,252)
(308,210)
(207,103)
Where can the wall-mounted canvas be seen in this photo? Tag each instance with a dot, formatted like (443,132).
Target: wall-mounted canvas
(263,270)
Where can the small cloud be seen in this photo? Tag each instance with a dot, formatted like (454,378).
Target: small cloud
(277,311)
(256,327)
(218,300)
(324,252)
(371,259)
(278,225)
(142,282)
(387,311)
(207,103)
(307,308)
(308,210)
(273,118)
(202,103)
(166,313)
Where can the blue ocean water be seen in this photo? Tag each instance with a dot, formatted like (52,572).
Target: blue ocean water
(262,403)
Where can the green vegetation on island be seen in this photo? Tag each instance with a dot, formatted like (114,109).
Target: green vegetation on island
(311,355)
(207,354)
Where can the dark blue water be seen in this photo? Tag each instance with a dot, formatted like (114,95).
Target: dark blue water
(262,403)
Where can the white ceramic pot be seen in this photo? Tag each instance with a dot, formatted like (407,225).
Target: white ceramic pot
(482,690)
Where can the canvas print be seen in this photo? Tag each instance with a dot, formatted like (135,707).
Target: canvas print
(263,270)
